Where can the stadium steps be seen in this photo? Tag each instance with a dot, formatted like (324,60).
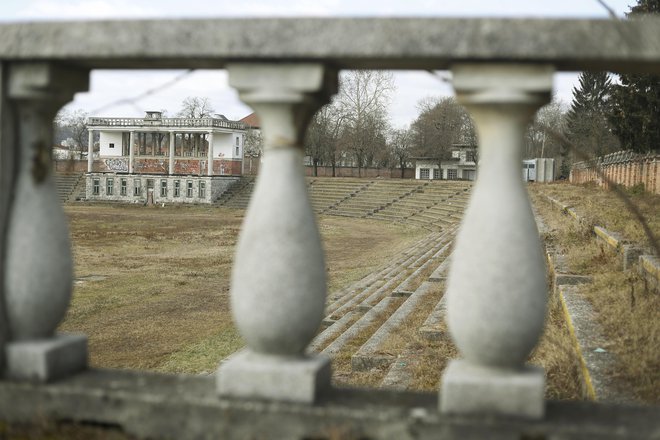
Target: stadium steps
(70,186)
(237,195)
(376,305)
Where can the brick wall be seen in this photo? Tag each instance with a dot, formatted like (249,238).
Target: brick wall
(622,168)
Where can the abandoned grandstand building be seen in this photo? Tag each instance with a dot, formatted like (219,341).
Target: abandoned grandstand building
(157,159)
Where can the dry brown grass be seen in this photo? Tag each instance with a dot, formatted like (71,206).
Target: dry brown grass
(607,210)
(161,301)
(626,310)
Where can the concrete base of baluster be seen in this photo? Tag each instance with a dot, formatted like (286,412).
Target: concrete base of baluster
(253,375)
(45,360)
(474,389)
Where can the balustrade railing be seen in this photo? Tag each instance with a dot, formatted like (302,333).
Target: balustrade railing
(165,122)
(502,72)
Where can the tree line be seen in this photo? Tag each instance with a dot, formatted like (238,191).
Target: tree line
(608,112)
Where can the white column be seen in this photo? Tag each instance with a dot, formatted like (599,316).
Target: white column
(90,150)
(131,152)
(497,288)
(39,265)
(209,165)
(278,281)
(172,145)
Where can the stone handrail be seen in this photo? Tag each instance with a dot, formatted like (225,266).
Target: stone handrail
(164,122)
(286,69)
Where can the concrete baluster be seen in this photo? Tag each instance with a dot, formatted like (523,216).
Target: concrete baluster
(171,153)
(131,151)
(90,150)
(278,283)
(497,289)
(39,268)
(209,165)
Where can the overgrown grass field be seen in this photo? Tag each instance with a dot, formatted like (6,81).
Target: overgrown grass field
(152,284)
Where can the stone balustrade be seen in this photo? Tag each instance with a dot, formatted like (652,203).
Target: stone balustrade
(285,70)
(165,122)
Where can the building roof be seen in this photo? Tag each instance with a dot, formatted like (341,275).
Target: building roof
(251,120)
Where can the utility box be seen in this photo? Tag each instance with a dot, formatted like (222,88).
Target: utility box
(538,170)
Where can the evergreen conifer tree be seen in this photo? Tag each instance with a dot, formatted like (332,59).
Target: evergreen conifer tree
(587,119)
(635,114)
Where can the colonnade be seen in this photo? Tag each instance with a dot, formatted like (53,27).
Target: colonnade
(171,151)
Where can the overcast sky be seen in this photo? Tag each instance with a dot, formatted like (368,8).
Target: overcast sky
(109,86)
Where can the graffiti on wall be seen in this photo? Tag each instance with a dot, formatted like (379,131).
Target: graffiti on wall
(116,164)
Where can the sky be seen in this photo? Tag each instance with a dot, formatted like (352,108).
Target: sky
(107,87)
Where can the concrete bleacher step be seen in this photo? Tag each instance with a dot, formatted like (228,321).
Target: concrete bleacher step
(361,310)
(70,186)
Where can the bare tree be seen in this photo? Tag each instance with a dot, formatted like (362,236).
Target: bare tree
(253,143)
(441,123)
(73,125)
(362,103)
(195,107)
(538,142)
(401,147)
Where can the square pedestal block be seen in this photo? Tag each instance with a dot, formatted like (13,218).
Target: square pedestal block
(470,389)
(45,360)
(257,376)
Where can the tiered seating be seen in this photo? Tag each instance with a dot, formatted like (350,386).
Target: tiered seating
(325,194)
(449,200)
(375,197)
(70,186)
(374,307)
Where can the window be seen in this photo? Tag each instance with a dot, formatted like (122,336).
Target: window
(122,187)
(424,173)
(238,151)
(238,142)
(470,156)
(137,187)
(189,189)
(437,173)
(202,190)
(96,187)
(109,186)
(177,188)
(163,188)
(452,174)
(111,145)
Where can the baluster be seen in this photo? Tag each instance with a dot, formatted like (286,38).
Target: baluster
(497,288)
(38,261)
(278,281)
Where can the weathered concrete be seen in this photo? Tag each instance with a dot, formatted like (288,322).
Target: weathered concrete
(278,290)
(250,375)
(649,268)
(496,317)
(368,355)
(597,362)
(409,43)
(469,388)
(150,405)
(46,359)
(431,327)
(358,327)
